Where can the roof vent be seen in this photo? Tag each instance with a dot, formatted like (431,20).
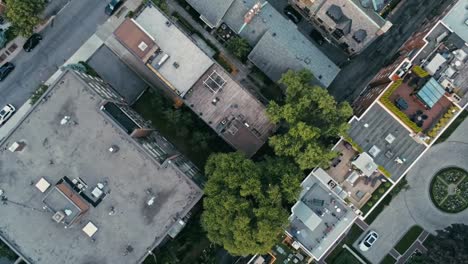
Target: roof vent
(142,46)
(366,125)
(168,23)
(176,65)
(58,216)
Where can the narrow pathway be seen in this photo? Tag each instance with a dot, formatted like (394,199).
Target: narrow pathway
(363,225)
(394,254)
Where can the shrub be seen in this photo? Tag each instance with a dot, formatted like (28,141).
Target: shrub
(38,93)
(348,139)
(419,71)
(370,203)
(375,197)
(384,171)
(382,190)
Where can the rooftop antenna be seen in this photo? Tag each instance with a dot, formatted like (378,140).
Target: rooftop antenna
(255,10)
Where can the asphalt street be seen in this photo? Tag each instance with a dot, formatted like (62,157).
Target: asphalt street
(72,26)
(408,18)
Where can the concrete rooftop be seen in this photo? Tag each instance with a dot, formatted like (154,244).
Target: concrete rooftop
(234,108)
(192,61)
(80,149)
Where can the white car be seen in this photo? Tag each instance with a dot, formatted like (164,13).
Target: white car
(6,112)
(368,241)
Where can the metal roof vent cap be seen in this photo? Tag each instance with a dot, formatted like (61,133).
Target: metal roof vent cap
(366,125)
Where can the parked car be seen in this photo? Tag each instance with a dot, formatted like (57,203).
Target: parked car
(5,69)
(32,42)
(292,14)
(368,241)
(6,112)
(113,6)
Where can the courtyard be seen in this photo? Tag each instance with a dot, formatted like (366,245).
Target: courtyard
(425,113)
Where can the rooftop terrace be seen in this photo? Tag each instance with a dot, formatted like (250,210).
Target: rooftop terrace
(127,227)
(233,112)
(318,218)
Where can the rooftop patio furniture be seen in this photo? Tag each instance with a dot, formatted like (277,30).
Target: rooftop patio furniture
(401,103)
(367,180)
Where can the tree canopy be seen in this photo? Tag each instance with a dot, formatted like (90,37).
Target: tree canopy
(239,47)
(449,246)
(23,14)
(313,121)
(244,204)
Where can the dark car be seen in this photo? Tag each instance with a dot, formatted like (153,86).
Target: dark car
(292,14)
(5,69)
(112,7)
(32,42)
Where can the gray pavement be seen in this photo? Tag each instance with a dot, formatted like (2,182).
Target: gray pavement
(69,30)
(391,225)
(114,71)
(414,206)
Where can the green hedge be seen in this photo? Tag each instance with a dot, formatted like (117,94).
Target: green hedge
(384,171)
(385,99)
(348,139)
(419,71)
(408,239)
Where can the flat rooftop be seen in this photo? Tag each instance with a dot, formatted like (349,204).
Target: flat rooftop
(319,218)
(232,111)
(79,149)
(135,38)
(186,61)
(457,18)
(373,131)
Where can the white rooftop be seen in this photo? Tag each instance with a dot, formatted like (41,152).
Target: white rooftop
(365,163)
(192,61)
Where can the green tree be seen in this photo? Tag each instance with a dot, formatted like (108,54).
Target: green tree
(239,47)
(243,209)
(313,121)
(449,246)
(23,14)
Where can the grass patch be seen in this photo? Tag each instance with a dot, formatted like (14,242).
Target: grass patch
(408,239)
(181,127)
(6,252)
(388,260)
(455,124)
(353,234)
(345,257)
